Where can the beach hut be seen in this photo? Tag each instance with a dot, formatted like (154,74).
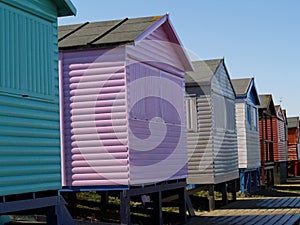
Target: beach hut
(211,129)
(280,145)
(247,101)
(29,103)
(293,144)
(266,129)
(123,108)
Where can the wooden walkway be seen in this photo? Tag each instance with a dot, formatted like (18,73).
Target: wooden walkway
(258,211)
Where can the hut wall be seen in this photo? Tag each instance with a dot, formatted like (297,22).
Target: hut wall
(156,114)
(95,135)
(225,148)
(292,144)
(29,102)
(248,138)
(280,142)
(200,148)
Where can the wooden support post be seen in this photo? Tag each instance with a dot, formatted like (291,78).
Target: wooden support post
(72,203)
(224,193)
(255,179)
(157,202)
(104,200)
(233,191)
(249,182)
(272,177)
(189,204)
(242,181)
(124,208)
(182,204)
(211,200)
(263,176)
(53,216)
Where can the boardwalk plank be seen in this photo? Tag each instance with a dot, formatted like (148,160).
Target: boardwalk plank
(288,202)
(254,212)
(283,219)
(295,218)
(256,219)
(280,202)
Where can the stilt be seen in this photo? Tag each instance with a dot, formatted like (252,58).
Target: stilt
(182,204)
(233,191)
(242,181)
(53,216)
(211,200)
(224,193)
(189,204)
(124,208)
(157,202)
(104,200)
(249,185)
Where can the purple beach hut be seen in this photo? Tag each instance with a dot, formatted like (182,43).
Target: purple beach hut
(122,104)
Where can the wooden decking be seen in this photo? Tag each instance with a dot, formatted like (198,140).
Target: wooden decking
(258,211)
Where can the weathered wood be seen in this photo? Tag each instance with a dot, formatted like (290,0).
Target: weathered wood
(157,202)
(124,208)
(182,204)
(211,200)
(224,194)
(254,211)
(189,204)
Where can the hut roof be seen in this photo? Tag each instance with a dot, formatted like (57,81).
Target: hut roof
(104,32)
(245,87)
(65,7)
(241,86)
(203,71)
(293,122)
(117,33)
(266,102)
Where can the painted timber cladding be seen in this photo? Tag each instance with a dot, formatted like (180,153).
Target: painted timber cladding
(224,140)
(95,123)
(213,153)
(248,140)
(160,78)
(280,142)
(200,147)
(133,133)
(29,106)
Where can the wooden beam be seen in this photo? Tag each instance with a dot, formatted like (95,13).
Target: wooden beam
(124,208)
(157,202)
(211,200)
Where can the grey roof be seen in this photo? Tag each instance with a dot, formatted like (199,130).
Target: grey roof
(293,122)
(112,32)
(264,101)
(241,86)
(203,71)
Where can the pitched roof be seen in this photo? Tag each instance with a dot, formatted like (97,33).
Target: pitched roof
(203,71)
(293,122)
(264,101)
(104,33)
(120,32)
(241,86)
(65,7)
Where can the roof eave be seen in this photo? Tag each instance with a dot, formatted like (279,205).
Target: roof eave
(256,95)
(65,8)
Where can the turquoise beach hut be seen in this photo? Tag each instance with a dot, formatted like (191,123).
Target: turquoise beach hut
(29,102)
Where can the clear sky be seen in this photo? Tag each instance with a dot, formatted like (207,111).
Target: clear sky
(257,38)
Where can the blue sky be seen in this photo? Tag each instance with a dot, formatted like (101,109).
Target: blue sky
(258,38)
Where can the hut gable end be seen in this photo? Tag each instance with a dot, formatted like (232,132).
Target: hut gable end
(221,83)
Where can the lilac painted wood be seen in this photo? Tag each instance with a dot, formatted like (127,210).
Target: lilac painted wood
(123,113)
